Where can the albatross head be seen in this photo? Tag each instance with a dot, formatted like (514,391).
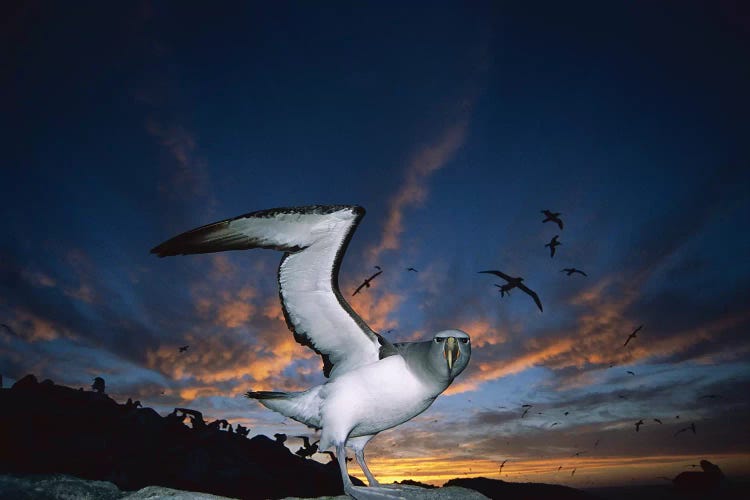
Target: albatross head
(451,350)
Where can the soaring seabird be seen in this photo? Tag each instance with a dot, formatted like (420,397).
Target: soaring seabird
(367,281)
(412,269)
(553,244)
(516,283)
(505,289)
(553,217)
(571,270)
(638,425)
(372,385)
(632,335)
(184,348)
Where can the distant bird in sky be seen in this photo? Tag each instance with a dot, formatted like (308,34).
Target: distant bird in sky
(710,396)
(657,421)
(638,425)
(10,330)
(579,453)
(573,473)
(184,348)
(527,406)
(366,282)
(596,443)
(566,413)
(559,468)
(631,373)
(411,269)
(502,464)
(377,267)
(690,427)
(553,217)
(571,270)
(554,424)
(632,335)
(622,396)
(517,283)
(524,412)
(553,244)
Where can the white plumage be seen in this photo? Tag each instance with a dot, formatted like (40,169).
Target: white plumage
(373,384)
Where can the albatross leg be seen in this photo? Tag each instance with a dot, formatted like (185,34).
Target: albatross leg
(362,492)
(358,445)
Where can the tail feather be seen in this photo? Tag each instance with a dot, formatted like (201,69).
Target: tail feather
(266,395)
(303,406)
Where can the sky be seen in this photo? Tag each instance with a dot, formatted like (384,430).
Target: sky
(453,125)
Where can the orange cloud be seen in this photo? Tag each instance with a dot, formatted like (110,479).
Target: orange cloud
(34,328)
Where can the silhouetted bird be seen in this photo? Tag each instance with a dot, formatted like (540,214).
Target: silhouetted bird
(525,412)
(559,468)
(631,373)
(573,473)
(622,396)
(184,348)
(710,396)
(553,217)
(632,335)
(657,421)
(680,431)
(638,425)
(527,406)
(596,443)
(98,385)
(571,270)
(366,283)
(517,282)
(411,269)
(377,267)
(502,464)
(308,449)
(553,244)
(579,453)
(554,424)
(566,413)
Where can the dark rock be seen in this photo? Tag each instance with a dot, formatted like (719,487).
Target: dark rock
(495,488)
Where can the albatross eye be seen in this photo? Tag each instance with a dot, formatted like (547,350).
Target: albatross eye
(463,340)
(439,339)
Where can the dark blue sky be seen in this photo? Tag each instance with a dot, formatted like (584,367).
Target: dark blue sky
(453,126)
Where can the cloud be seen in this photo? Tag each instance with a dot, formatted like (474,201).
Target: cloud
(413,191)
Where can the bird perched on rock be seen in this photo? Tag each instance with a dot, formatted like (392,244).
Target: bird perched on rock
(373,384)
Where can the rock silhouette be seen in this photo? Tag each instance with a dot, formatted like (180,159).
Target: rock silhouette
(692,482)
(496,488)
(47,428)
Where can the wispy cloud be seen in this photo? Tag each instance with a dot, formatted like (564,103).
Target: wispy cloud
(414,190)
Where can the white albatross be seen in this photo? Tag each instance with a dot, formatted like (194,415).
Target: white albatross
(372,385)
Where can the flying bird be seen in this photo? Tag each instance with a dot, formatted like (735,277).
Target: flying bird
(502,464)
(366,282)
(553,217)
(631,373)
(411,269)
(710,396)
(524,412)
(657,421)
(554,424)
(566,413)
(638,425)
(573,473)
(517,283)
(372,384)
(553,244)
(571,270)
(184,348)
(596,443)
(632,335)
(559,468)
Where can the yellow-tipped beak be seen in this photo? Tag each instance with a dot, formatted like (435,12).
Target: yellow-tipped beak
(451,352)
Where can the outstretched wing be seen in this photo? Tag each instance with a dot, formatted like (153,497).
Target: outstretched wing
(533,295)
(314,239)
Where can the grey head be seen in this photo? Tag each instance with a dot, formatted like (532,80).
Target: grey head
(450,351)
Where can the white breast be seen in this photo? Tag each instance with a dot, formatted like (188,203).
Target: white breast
(374,398)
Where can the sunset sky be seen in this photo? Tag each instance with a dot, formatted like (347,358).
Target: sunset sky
(453,126)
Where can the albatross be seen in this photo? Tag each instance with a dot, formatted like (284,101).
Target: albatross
(372,384)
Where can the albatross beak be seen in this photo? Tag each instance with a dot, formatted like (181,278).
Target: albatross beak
(451,352)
